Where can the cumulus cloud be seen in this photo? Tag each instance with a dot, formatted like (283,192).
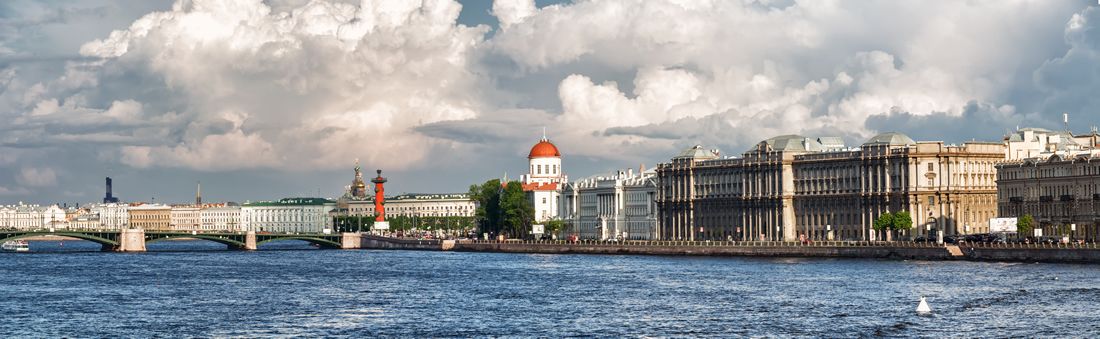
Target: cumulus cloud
(759,70)
(37,177)
(309,85)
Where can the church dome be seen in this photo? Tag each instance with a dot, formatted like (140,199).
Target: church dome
(544,149)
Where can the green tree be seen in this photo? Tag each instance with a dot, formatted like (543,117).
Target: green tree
(554,226)
(487,198)
(1025,225)
(884,223)
(517,211)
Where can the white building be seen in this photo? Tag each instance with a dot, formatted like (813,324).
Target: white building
(221,218)
(1037,142)
(113,216)
(619,206)
(292,215)
(544,182)
(420,205)
(185,218)
(27,217)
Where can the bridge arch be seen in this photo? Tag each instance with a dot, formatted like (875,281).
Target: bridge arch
(312,240)
(224,240)
(82,236)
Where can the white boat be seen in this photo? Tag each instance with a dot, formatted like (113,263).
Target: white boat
(16,246)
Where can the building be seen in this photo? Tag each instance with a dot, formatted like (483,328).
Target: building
(185,218)
(618,206)
(418,205)
(221,217)
(109,197)
(113,216)
(543,182)
(85,221)
(29,217)
(289,215)
(1055,181)
(152,217)
(791,186)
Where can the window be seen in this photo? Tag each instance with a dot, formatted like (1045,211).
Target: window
(930,166)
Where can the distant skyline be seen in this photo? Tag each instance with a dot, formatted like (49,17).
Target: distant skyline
(262,100)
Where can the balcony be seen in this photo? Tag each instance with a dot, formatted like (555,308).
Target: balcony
(1016,199)
(1046,198)
(1067,197)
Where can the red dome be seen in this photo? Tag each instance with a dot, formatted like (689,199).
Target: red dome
(544,149)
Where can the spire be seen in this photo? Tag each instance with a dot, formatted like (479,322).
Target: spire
(544,133)
(198,193)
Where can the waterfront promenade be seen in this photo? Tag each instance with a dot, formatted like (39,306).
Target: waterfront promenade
(1076,253)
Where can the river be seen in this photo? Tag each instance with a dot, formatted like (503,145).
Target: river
(198,289)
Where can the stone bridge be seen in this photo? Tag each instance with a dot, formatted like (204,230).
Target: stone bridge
(134,240)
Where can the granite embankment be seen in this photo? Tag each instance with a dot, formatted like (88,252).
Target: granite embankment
(1069,253)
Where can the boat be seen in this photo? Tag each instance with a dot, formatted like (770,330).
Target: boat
(16,246)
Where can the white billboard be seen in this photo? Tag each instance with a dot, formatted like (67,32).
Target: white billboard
(1002,225)
(381,225)
(537,229)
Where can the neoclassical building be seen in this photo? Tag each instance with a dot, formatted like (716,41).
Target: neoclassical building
(291,215)
(1054,179)
(419,205)
(617,206)
(789,186)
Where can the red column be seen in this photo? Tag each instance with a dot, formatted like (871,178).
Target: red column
(379,197)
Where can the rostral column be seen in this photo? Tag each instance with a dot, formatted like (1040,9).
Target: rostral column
(379,199)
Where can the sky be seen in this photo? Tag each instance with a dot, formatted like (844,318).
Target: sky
(261,100)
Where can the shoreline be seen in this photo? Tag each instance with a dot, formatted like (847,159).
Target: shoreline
(872,250)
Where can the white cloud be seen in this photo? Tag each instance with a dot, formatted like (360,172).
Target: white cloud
(37,177)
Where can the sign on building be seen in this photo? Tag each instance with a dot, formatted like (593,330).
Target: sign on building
(1002,225)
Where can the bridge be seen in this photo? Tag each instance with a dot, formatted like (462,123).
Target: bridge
(134,240)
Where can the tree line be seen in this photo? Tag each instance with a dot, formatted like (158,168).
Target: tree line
(502,209)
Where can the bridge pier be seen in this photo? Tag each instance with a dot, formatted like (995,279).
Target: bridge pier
(250,241)
(131,240)
(351,240)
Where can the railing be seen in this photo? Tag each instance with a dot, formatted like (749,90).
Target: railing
(1040,245)
(684,243)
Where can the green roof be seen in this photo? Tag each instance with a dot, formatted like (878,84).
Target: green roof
(291,202)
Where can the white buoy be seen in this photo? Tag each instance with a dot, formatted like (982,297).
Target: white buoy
(923,307)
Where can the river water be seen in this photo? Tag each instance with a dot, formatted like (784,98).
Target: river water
(197,289)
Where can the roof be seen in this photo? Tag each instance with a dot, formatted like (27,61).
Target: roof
(544,149)
(792,143)
(697,152)
(890,138)
(540,187)
(291,202)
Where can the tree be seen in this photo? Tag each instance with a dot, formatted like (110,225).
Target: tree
(554,226)
(902,221)
(884,223)
(487,198)
(1024,225)
(517,211)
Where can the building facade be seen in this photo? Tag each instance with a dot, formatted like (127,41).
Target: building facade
(185,218)
(619,206)
(150,217)
(543,182)
(418,205)
(113,216)
(1057,183)
(29,217)
(221,217)
(289,215)
(791,186)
